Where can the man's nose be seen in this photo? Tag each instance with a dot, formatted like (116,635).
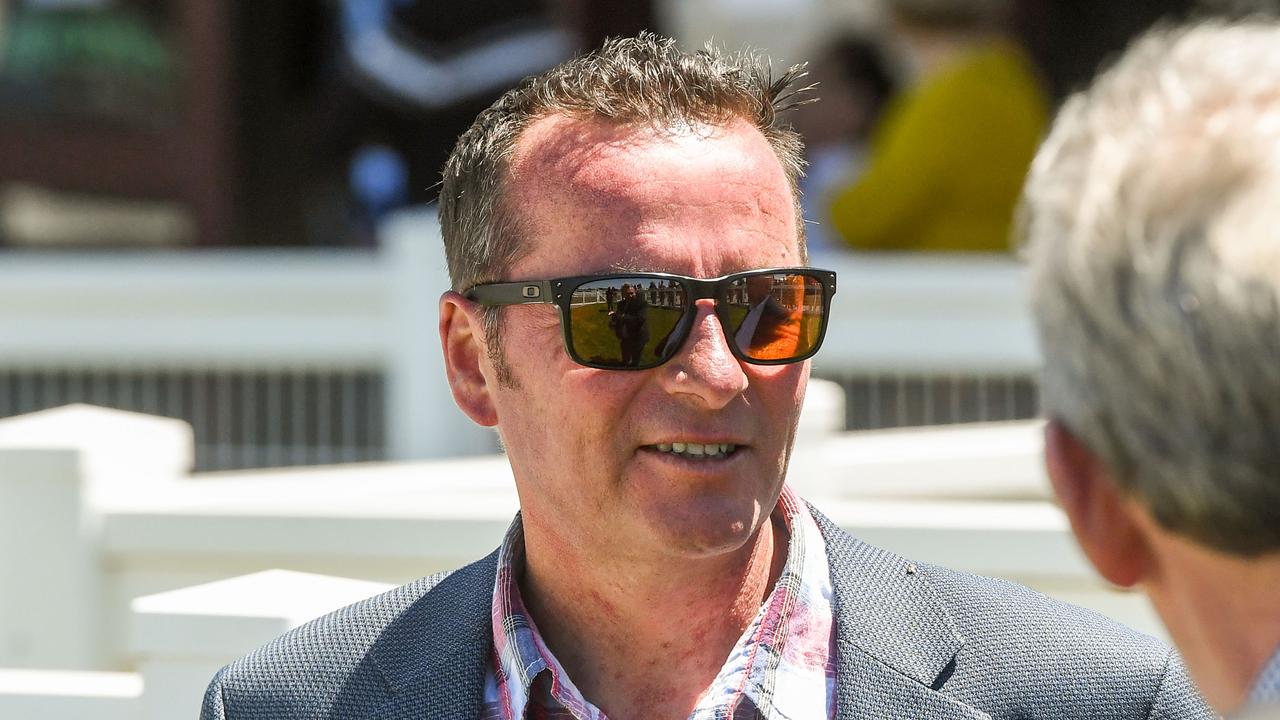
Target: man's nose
(704,366)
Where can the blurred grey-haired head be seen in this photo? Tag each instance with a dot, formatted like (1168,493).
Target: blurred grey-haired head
(1151,221)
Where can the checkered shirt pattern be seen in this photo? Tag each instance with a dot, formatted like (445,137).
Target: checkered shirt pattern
(1266,689)
(782,667)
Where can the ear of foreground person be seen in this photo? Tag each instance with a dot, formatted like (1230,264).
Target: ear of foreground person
(660,567)
(1151,221)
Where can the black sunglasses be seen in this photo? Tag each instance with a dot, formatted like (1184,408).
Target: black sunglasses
(636,321)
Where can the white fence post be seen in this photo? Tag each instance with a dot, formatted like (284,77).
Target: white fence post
(183,637)
(422,419)
(69,695)
(56,467)
(822,416)
(49,561)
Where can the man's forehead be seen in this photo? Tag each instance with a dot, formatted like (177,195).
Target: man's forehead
(594,193)
(601,157)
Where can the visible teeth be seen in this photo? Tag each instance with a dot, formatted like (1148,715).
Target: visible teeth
(697,449)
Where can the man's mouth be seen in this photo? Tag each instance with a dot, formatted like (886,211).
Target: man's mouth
(697,451)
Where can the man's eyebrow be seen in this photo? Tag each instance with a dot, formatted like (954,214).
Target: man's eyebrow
(618,267)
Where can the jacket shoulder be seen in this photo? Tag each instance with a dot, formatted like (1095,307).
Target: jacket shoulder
(1011,652)
(1024,650)
(326,667)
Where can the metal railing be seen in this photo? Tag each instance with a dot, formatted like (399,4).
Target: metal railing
(892,400)
(240,419)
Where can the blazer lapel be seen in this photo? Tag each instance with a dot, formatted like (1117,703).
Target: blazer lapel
(868,689)
(434,656)
(896,641)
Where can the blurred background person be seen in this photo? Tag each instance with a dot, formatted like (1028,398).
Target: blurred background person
(854,83)
(412,74)
(1153,232)
(948,159)
(182,122)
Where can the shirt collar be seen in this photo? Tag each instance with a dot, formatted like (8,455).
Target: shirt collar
(1266,688)
(783,663)
(520,655)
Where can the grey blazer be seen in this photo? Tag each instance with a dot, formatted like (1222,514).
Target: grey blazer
(913,642)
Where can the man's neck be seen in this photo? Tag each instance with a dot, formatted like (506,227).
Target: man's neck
(646,641)
(1221,612)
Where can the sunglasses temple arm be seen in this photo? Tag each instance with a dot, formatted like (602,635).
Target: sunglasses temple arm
(514,293)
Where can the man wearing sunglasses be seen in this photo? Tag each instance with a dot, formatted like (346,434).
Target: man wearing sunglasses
(659,567)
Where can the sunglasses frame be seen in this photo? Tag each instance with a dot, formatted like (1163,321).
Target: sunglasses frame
(559,292)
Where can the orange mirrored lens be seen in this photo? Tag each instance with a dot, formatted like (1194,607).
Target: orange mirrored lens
(775,316)
(640,322)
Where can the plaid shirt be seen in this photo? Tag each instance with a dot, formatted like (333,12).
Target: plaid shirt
(782,667)
(1266,687)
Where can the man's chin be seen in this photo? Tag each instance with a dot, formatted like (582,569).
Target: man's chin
(708,528)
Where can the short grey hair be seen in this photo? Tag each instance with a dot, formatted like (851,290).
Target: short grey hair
(1151,221)
(644,80)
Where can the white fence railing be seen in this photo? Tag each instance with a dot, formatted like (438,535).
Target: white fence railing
(104,539)
(310,357)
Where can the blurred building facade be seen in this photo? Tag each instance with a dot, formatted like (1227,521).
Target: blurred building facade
(186,122)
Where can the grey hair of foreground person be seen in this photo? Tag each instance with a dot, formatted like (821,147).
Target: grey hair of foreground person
(1151,222)
(647,81)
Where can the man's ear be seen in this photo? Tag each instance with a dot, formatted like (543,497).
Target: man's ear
(1100,517)
(462,337)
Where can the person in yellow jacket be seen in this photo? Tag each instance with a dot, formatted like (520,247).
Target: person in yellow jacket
(948,160)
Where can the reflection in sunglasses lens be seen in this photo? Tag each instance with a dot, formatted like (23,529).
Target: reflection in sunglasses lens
(625,322)
(640,322)
(775,316)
